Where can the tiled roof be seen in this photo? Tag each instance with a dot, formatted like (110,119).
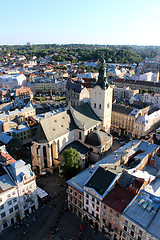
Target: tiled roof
(118,198)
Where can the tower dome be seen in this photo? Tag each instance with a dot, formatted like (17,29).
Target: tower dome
(94,139)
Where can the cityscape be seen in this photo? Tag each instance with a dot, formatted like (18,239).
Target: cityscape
(80,120)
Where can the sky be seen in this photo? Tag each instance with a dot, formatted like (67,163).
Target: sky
(111,22)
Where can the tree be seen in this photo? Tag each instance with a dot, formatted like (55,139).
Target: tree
(72,162)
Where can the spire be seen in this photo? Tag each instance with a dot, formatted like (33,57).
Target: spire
(102,78)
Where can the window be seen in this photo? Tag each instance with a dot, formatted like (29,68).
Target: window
(71,199)
(94,105)
(124,235)
(0,199)
(16,207)
(87,209)
(93,213)
(87,202)
(9,202)
(104,206)
(99,106)
(125,228)
(79,196)
(75,193)
(117,215)
(75,201)
(97,202)
(3,215)
(92,199)
(133,227)
(5,225)
(126,222)
(87,196)
(104,220)
(80,135)
(10,210)
(70,190)
(111,210)
(97,209)
(132,233)
(1,207)
(92,205)
(140,232)
(139,238)
(14,193)
(9,195)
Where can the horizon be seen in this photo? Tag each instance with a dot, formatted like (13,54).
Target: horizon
(93,44)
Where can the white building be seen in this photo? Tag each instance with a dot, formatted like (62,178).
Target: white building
(18,195)
(148,77)
(12,81)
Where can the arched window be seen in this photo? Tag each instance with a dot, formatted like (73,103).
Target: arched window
(58,146)
(45,156)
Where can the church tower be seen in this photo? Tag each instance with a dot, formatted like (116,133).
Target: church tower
(101,98)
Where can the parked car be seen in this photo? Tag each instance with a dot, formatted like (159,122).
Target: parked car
(116,138)
(122,142)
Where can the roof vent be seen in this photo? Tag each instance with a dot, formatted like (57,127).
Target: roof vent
(61,125)
(55,120)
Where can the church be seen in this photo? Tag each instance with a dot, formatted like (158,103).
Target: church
(85,127)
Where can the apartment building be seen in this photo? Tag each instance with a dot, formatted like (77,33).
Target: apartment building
(123,93)
(106,193)
(18,195)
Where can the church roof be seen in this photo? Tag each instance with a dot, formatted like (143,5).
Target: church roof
(54,127)
(86,115)
(62,123)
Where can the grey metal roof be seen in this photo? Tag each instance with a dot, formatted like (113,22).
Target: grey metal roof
(154,227)
(6,183)
(121,109)
(86,115)
(82,149)
(18,169)
(143,210)
(54,127)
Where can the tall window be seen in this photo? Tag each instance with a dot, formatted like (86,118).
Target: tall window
(45,156)
(58,145)
(94,105)
(80,135)
(99,106)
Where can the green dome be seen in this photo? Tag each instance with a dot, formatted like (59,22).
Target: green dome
(94,139)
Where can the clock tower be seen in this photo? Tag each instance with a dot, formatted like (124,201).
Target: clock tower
(101,98)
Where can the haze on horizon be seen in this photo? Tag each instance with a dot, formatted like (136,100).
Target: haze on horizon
(84,22)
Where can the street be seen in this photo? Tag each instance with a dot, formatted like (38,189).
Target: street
(53,220)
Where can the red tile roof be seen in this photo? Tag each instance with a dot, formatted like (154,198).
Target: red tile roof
(118,198)
(7,157)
